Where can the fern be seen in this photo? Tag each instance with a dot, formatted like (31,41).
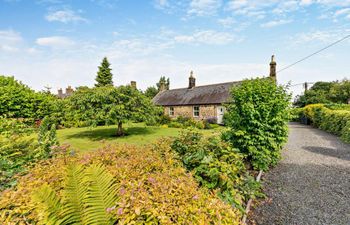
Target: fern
(49,204)
(101,195)
(86,196)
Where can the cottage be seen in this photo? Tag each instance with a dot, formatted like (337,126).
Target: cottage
(200,102)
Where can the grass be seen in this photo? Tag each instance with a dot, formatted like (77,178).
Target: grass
(86,139)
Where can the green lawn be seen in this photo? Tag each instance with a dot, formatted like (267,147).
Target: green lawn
(85,139)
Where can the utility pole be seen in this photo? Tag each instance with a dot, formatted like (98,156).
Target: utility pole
(305,87)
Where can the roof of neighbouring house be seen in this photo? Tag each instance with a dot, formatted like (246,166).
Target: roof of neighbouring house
(199,95)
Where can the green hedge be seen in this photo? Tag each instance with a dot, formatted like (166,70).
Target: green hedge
(334,121)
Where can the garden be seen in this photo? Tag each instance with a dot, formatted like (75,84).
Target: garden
(107,155)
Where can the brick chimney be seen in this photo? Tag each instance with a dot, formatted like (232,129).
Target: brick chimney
(60,93)
(191,81)
(273,68)
(69,91)
(133,84)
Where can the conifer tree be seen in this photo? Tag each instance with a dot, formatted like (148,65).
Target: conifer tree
(104,76)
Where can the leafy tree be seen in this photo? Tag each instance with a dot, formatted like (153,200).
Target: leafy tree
(340,92)
(87,197)
(104,74)
(163,81)
(151,92)
(112,105)
(19,101)
(325,92)
(257,118)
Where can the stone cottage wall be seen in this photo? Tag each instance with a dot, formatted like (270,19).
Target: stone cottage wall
(205,111)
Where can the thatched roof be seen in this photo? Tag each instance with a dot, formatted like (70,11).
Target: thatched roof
(200,95)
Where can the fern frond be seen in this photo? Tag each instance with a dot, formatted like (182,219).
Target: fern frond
(74,193)
(48,203)
(101,195)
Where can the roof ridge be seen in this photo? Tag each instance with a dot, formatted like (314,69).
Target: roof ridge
(230,82)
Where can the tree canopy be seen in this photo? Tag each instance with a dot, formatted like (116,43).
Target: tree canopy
(325,92)
(104,74)
(163,82)
(151,92)
(113,105)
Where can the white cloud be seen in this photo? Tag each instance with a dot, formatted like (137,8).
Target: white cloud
(64,16)
(204,7)
(306,2)
(342,12)
(275,23)
(55,42)
(208,37)
(227,22)
(10,40)
(161,4)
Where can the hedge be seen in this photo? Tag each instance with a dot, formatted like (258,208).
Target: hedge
(334,121)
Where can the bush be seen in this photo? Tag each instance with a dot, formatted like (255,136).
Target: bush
(257,117)
(214,163)
(20,150)
(296,114)
(153,188)
(334,121)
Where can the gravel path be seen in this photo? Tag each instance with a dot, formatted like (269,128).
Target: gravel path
(311,185)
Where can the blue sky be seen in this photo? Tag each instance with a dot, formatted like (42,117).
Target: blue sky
(60,43)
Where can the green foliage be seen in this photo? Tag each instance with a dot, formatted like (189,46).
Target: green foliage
(47,136)
(257,117)
(215,165)
(19,150)
(110,105)
(19,101)
(325,92)
(165,82)
(87,197)
(151,92)
(334,121)
(187,122)
(153,188)
(104,75)
(296,114)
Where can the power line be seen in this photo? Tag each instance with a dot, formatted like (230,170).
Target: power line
(328,46)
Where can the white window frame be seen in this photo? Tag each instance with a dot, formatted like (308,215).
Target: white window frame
(194,111)
(171,111)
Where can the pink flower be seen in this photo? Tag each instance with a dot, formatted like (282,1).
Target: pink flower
(120,211)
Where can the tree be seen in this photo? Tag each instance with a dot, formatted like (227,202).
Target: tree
(104,75)
(165,82)
(151,92)
(111,105)
(325,92)
(257,117)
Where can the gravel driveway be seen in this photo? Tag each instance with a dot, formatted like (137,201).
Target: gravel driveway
(311,185)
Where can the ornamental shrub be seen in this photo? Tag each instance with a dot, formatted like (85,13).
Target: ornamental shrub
(19,149)
(153,188)
(257,117)
(334,121)
(215,165)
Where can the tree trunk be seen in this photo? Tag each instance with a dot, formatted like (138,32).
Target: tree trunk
(120,129)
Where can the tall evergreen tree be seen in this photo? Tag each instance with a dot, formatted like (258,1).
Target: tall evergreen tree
(104,76)
(165,82)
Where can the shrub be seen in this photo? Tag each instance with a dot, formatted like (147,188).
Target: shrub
(214,163)
(257,117)
(153,188)
(296,114)
(333,121)
(19,149)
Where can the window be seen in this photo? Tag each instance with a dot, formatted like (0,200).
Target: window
(171,111)
(195,111)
